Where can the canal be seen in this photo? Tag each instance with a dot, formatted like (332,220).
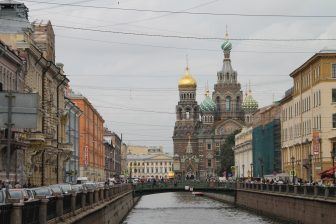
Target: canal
(184,208)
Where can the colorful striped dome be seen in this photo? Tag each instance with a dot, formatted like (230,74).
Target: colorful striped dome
(208,105)
(249,104)
(226,46)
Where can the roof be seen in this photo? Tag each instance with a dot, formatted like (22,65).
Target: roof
(150,157)
(313,58)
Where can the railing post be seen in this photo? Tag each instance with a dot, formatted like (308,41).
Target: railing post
(106,191)
(83,201)
(59,205)
(43,210)
(91,197)
(295,189)
(326,192)
(73,201)
(273,187)
(287,188)
(96,195)
(315,191)
(304,190)
(16,213)
(102,194)
(267,187)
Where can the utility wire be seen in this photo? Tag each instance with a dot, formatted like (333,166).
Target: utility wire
(185,12)
(187,37)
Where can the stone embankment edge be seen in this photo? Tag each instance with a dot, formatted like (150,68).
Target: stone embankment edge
(135,202)
(232,200)
(82,215)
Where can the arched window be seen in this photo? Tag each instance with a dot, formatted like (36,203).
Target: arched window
(228,103)
(188,113)
(237,103)
(218,104)
(180,114)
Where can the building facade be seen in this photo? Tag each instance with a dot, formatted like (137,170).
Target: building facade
(308,118)
(46,151)
(91,145)
(243,153)
(156,166)
(200,130)
(73,114)
(266,141)
(117,142)
(123,159)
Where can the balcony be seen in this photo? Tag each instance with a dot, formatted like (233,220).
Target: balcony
(36,137)
(67,147)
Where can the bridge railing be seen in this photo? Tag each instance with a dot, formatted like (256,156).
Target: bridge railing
(52,210)
(299,190)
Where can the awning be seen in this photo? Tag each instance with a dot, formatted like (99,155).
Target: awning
(328,173)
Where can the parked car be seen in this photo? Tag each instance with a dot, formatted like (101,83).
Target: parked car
(42,191)
(90,186)
(3,196)
(78,188)
(56,189)
(20,194)
(66,188)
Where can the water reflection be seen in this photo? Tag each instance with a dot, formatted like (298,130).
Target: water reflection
(184,208)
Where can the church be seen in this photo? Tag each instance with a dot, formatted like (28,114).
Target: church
(201,129)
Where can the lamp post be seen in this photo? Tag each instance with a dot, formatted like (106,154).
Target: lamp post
(130,173)
(243,169)
(333,164)
(310,156)
(293,160)
(261,161)
(251,170)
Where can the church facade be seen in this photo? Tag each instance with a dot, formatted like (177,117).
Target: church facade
(201,129)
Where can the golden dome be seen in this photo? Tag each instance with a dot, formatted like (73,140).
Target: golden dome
(187,81)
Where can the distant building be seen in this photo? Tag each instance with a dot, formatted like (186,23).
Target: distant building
(266,141)
(243,153)
(143,150)
(123,159)
(91,146)
(149,166)
(116,142)
(308,118)
(72,130)
(201,129)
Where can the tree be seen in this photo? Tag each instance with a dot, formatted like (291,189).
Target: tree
(227,154)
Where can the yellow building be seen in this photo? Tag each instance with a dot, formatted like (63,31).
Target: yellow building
(308,118)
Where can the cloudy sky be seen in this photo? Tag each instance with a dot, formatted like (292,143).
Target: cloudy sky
(132,80)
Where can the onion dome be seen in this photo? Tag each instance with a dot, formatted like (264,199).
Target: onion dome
(226,46)
(249,104)
(187,81)
(208,105)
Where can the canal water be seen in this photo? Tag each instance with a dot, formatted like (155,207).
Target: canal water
(184,208)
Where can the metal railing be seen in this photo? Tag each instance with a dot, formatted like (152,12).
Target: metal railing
(5,213)
(51,208)
(67,203)
(30,212)
(300,190)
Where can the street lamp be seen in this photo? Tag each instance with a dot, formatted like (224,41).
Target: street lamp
(333,152)
(261,161)
(130,173)
(310,156)
(293,160)
(251,170)
(243,169)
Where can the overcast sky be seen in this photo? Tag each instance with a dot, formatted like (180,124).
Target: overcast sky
(132,80)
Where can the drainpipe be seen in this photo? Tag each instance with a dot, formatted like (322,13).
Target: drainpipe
(57,127)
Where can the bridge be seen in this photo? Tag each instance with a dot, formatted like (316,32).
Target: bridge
(215,187)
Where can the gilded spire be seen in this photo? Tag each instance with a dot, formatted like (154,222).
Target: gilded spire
(207,92)
(187,81)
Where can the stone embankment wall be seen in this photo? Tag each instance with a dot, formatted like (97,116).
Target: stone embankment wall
(112,212)
(286,207)
(296,209)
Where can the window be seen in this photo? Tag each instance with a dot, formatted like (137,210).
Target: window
(334,120)
(333,95)
(228,103)
(209,146)
(209,162)
(333,72)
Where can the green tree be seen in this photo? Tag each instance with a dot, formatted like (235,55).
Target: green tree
(227,155)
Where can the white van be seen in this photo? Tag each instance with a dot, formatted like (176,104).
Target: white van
(82,180)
